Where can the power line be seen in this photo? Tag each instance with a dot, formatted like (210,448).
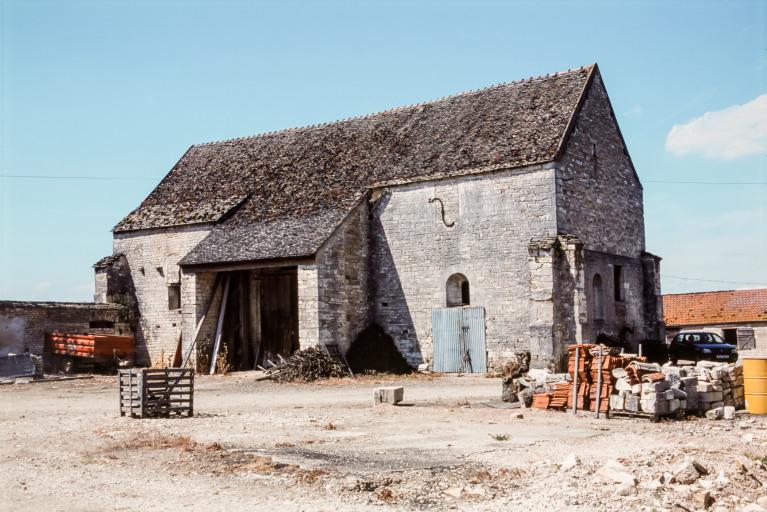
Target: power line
(709,182)
(54,177)
(712,280)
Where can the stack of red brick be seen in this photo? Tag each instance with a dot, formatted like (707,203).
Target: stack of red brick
(588,371)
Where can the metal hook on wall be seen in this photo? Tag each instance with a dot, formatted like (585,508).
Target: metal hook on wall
(442,207)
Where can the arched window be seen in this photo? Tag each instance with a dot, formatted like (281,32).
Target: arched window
(598,298)
(457,291)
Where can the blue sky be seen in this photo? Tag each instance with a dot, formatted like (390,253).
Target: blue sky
(119,90)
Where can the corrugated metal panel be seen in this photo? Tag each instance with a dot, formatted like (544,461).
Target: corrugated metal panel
(446,324)
(458,336)
(473,327)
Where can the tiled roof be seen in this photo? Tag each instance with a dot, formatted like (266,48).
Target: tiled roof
(709,308)
(303,175)
(180,213)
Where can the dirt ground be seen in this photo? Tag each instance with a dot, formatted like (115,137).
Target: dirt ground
(324,447)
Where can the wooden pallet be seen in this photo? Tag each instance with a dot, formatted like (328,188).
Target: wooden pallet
(148,393)
(646,415)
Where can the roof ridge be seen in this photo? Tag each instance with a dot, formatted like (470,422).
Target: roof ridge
(469,92)
(717,291)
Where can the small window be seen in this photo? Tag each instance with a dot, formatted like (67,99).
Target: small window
(730,336)
(598,297)
(457,291)
(618,282)
(174,296)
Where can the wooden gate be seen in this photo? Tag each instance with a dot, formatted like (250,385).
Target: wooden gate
(458,337)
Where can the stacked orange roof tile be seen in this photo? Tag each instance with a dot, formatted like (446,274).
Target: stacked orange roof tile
(707,308)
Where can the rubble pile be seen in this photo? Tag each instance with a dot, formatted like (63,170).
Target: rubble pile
(631,385)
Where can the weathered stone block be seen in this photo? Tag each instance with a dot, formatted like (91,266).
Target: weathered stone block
(389,395)
(655,406)
(655,387)
(709,396)
(631,403)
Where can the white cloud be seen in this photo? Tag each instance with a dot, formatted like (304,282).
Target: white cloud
(726,134)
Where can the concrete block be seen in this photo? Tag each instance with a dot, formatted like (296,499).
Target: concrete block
(729,412)
(389,395)
(689,381)
(674,404)
(709,396)
(636,389)
(631,403)
(655,387)
(715,405)
(655,406)
(617,402)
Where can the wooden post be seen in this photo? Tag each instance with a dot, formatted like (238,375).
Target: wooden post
(219,327)
(599,382)
(244,327)
(575,382)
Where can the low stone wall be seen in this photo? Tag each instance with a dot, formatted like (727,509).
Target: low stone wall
(23,325)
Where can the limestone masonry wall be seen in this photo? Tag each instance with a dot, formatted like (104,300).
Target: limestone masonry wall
(23,325)
(599,201)
(414,252)
(153,257)
(342,276)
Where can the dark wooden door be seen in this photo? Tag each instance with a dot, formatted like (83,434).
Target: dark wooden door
(279,314)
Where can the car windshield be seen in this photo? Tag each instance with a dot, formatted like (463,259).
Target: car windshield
(703,337)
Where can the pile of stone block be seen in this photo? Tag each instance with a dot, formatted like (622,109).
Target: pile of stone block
(719,385)
(668,389)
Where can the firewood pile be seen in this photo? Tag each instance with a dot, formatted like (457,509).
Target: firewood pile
(307,365)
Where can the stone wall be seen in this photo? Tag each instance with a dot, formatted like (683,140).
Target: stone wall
(23,325)
(599,197)
(152,257)
(415,249)
(599,200)
(342,276)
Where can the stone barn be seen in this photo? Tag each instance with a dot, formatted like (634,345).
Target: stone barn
(503,219)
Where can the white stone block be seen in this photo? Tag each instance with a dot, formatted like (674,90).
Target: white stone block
(389,395)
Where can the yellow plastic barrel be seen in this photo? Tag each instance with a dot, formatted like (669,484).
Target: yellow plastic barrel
(755,382)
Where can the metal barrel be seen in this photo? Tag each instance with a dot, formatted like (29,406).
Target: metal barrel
(755,382)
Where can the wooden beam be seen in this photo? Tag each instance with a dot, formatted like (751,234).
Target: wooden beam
(244,327)
(219,326)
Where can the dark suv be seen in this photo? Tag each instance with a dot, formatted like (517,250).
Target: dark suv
(697,346)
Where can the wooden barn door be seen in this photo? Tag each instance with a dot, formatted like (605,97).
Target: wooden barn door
(279,314)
